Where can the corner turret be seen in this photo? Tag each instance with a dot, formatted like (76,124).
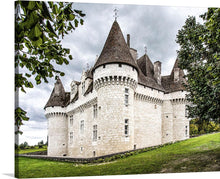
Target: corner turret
(55,112)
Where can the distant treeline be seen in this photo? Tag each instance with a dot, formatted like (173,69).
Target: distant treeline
(26,146)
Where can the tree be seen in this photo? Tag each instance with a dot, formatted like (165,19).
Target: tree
(23,145)
(196,128)
(199,55)
(40,144)
(38,27)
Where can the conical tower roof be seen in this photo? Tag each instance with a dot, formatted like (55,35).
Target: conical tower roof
(58,95)
(115,49)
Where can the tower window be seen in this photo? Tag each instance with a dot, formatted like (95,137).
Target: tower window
(82,126)
(126,127)
(126,96)
(95,111)
(71,120)
(186,112)
(95,133)
(71,137)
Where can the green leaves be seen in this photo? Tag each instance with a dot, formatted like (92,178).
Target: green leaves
(38,27)
(20,116)
(38,31)
(199,54)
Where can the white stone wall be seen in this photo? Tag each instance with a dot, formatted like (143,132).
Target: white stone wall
(167,122)
(112,115)
(147,123)
(154,117)
(110,120)
(180,122)
(81,144)
(57,136)
(115,70)
(173,116)
(149,92)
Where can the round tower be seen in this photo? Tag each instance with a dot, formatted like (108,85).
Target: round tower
(55,112)
(115,75)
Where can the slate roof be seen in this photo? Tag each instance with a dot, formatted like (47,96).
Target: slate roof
(89,89)
(146,73)
(115,49)
(76,97)
(89,73)
(146,66)
(168,81)
(58,96)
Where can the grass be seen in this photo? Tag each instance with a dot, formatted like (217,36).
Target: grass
(35,149)
(193,155)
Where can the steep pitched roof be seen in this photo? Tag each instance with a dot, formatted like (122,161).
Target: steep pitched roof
(115,49)
(58,96)
(181,72)
(168,81)
(146,66)
(148,81)
(89,89)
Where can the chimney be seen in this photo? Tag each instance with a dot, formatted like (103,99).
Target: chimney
(157,71)
(176,74)
(128,40)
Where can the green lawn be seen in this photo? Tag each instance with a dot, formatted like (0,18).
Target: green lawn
(36,149)
(193,155)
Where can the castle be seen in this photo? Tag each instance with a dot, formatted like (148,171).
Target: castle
(122,103)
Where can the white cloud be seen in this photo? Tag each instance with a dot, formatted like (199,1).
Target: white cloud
(33,132)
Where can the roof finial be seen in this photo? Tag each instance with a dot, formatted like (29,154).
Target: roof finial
(116,14)
(145,49)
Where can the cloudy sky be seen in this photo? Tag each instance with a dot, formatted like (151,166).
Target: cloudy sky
(152,26)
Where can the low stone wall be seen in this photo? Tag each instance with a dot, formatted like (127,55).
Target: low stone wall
(37,153)
(99,159)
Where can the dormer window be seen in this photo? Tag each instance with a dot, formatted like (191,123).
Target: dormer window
(73,89)
(83,87)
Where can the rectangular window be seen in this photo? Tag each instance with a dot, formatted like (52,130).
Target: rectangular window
(95,133)
(186,131)
(95,111)
(71,137)
(126,96)
(126,127)
(82,126)
(186,112)
(71,120)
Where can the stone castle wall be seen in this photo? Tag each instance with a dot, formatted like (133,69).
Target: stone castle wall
(153,118)
(57,127)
